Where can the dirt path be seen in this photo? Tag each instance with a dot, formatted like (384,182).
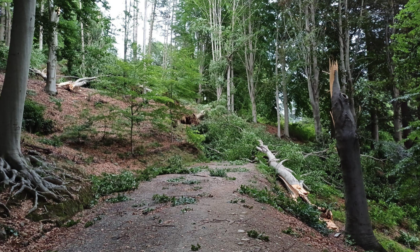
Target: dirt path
(214,222)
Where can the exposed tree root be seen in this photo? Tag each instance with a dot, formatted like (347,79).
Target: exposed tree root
(37,181)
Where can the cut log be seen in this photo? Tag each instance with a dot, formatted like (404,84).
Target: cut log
(74,85)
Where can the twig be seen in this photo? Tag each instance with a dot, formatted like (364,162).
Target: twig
(315,153)
(377,159)
(215,150)
(7,211)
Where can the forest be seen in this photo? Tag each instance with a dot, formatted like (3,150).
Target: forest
(209,125)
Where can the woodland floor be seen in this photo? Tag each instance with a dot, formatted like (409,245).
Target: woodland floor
(214,222)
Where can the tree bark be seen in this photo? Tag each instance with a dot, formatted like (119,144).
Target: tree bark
(2,22)
(41,28)
(152,22)
(276,74)
(144,27)
(8,24)
(135,28)
(406,119)
(285,98)
(82,36)
(13,95)
(51,88)
(358,224)
(375,126)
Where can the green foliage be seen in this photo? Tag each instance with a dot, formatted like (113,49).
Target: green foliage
(389,244)
(260,236)
(218,173)
(191,182)
(301,210)
(386,214)
(111,183)
(195,247)
(54,141)
(408,240)
(33,119)
(175,180)
(182,200)
(195,138)
(228,136)
(4,53)
(90,223)
(57,103)
(148,210)
(304,131)
(119,198)
(11,231)
(161,198)
(291,232)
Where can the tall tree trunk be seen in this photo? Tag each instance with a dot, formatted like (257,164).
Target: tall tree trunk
(126,29)
(228,88)
(82,36)
(51,87)
(8,24)
(276,74)
(152,21)
(375,125)
(41,28)
(13,95)
(144,27)
(232,89)
(358,224)
(2,22)
(135,28)
(312,70)
(285,98)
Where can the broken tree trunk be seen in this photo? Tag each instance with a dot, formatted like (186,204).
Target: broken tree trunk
(295,187)
(358,224)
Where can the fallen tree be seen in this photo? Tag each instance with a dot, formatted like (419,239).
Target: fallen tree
(74,85)
(295,187)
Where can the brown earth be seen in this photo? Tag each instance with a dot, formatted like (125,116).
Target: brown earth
(214,223)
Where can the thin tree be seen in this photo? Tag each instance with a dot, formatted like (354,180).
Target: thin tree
(54,12)
(135,28)
(41,28)
(2,22)
(14,169)
(152,22)
(82,37)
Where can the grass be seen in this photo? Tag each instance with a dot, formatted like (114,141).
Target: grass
(175,180)
(260,236)
(161,198)
(119,198)
(182,201)
(218,173)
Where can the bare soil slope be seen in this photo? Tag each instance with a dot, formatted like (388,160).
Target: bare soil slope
(214,222)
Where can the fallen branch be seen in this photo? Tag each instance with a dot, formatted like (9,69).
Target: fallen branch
(315,153)
(42,74)
(72,85)
(377,159)
(295,187)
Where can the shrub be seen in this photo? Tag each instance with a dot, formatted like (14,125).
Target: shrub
(218,173)
(54,141)
(386,214)
(408,240)
(33,119)
(301,210)
(110,183)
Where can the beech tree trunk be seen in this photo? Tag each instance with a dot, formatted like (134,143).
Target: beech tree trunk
(2,22)
(358,224)
(51,88)
(13,95)
(8,24)
(276,74)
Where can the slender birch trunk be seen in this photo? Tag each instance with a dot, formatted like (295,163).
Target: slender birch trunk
(8,24)
(135,28)
(82,36)
(152,21)
(51,87)
(276,74)
(41,28)
(285,97)
(2,22)
(144,27)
